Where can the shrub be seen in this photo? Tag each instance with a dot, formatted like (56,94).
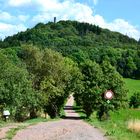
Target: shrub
(135,100)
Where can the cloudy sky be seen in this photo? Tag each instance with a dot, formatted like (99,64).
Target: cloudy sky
(117,15)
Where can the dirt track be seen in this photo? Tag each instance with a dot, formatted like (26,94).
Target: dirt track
(70,128)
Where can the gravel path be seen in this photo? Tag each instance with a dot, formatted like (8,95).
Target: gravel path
(70,128)
(5,129)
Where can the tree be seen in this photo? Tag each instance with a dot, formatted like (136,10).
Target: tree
(59,81)
(92,81)
(112,80)
(96,80)
(53,76)
(16,92)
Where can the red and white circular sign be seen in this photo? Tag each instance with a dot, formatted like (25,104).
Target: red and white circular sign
(108,94)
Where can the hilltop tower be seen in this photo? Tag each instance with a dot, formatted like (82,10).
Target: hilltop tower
(54,19)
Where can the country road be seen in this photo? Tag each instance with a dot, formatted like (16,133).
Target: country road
(70,128)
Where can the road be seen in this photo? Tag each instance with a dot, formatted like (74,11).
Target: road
(70,128)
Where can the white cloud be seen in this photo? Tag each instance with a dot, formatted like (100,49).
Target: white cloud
(119,25)
(124,27)
(51,5)
(62,10)
(9,29)
(65,10)
(83,13)
(23,18)
(17,3)
(5,16)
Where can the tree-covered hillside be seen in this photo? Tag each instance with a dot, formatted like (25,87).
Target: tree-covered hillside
(41,67)
(81,41)
(70,33)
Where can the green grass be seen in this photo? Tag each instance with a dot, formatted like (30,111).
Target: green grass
(3,123)
(36,120)
(117,127)
(13,131)
(132,85)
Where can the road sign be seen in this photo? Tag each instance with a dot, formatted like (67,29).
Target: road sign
(108,101)
(6,113)
(108,94)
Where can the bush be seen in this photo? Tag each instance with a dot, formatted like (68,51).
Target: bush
(135,100)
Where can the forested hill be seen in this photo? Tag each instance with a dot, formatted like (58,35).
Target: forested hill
(82,41)
(70,33)
(40,67)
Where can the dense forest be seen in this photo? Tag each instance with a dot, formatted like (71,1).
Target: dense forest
(40,67)
(81,41)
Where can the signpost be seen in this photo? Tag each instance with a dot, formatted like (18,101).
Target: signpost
(108,95)
(6,114)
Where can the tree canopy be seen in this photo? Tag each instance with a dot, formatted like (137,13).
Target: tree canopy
(41,67)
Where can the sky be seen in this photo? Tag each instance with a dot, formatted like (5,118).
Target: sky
(117,15)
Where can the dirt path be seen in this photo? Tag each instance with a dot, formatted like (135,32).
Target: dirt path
(70,128)
(5,129)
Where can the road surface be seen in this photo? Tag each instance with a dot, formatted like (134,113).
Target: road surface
(70,128)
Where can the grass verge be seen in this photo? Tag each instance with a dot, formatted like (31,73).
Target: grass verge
(12,132)
(118,127)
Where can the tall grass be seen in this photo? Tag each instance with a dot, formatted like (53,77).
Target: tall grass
(119,127)
(134,125)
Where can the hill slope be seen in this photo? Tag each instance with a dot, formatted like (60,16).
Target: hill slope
(66,33)
(81,41)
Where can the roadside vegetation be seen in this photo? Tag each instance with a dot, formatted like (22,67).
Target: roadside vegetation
(123,124)
(41,67)
(133,85)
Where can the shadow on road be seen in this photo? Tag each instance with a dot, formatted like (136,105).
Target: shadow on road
(72,110)
(72,118)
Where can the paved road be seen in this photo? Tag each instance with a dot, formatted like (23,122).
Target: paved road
(70,128)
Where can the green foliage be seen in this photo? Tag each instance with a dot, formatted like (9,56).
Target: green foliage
(53,76)
(82,41)
(135,100)
(96,80)
(92,82)
(60,80)
(43,65)
(114,82)
(69,33)
(16,91)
